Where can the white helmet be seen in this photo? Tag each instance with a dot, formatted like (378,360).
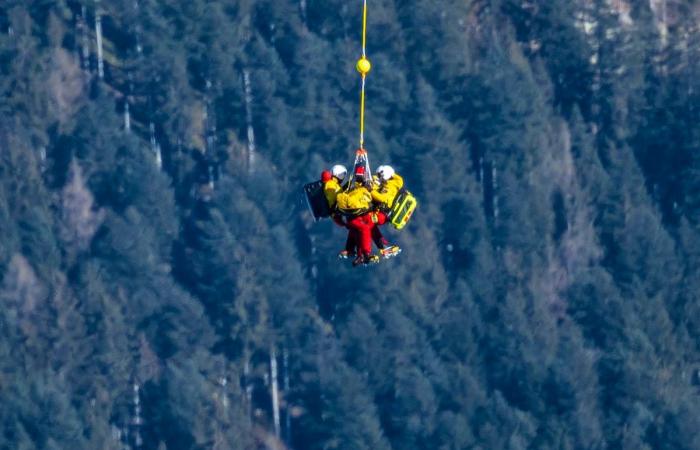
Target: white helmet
(385,172)
(339,171)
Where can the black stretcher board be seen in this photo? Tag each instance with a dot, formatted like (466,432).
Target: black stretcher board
(316,200)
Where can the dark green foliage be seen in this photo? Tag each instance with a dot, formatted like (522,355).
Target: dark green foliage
(162,286)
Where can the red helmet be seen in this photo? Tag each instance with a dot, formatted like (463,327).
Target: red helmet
(360,172)
(326,176)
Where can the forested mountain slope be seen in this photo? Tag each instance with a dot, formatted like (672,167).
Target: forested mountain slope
(163,286)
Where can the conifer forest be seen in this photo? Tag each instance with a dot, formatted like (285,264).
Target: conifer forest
(164,286)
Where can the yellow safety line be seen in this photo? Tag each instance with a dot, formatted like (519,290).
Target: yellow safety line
(364,28)
(362,92)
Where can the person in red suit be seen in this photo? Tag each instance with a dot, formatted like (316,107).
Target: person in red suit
(356,205)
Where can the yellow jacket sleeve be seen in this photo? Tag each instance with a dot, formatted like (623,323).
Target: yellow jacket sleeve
(331,190)
(386,194)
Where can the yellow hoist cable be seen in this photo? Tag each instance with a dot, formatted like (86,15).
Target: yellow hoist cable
(363,66)
(364,28)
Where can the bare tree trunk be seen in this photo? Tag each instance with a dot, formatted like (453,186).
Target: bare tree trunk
(98,35)
(137,420)
(221,412)
(127,116)
(137,27)
(224,394)
(249,118)
(287,414)
(275,392)
(155,146)
(82,25)
(210,130)
(248,388)
(494,181)
(664,23)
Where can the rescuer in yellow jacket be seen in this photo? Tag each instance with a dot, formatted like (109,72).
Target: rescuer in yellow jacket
(386,186)
(333,186)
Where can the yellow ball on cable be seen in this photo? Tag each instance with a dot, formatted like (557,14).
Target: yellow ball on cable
(363,66)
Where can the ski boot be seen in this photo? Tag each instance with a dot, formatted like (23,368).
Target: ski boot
(390,251)
(344,254)
(371,259)
(358,261)
(365,260)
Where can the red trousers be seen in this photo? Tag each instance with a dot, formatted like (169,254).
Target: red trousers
(363,229)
